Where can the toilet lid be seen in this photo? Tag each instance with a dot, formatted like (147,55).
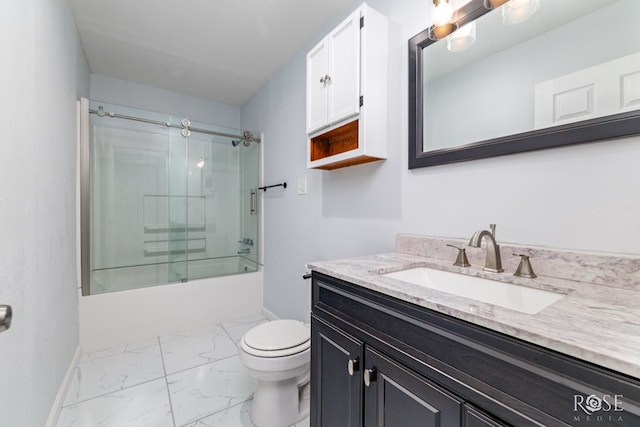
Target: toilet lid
(277,335)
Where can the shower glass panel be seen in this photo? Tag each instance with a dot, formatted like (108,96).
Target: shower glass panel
(249,177)
(178,224)
(167,204)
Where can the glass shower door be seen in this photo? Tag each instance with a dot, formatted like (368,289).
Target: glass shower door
(168,201)
(249,179)
(220,240)
(178,207)
(129,210)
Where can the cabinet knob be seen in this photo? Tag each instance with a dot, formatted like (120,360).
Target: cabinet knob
(353,366)
(325,79)
(369,376)
(5,317)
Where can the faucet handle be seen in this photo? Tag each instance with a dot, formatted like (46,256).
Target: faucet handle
(493,230)
(524,268)
(461,259)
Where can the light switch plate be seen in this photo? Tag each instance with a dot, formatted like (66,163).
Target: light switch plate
(302,186)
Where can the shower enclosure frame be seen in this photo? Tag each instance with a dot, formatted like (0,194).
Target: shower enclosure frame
(84,171)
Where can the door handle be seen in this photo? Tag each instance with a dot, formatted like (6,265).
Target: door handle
(253,202)
(5,317)
(369,376)
(353,366)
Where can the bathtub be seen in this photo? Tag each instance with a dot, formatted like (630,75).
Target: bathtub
(134,315)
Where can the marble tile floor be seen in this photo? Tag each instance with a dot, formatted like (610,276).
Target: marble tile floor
(188,380)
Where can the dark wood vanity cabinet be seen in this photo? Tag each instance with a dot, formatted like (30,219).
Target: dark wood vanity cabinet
(391,395)
(377,361)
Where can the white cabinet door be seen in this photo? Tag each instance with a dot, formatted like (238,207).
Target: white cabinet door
(344,69)
(333,76)
(317,70)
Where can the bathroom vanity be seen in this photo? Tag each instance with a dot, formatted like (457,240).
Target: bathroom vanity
(386,352)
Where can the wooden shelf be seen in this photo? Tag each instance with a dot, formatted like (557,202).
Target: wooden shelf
(336,141)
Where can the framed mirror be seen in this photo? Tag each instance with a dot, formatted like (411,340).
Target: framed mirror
(568,74)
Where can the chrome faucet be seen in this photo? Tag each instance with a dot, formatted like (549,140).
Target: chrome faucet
(493,262)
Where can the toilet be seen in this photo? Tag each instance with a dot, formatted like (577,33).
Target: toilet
(278,355)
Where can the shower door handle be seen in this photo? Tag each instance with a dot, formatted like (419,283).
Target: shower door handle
(253,202)
(5,317)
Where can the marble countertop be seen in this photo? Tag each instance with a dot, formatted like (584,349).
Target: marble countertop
(595,322)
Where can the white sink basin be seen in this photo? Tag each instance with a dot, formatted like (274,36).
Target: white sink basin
(516,297)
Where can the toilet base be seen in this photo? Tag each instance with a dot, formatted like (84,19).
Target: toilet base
(280,404)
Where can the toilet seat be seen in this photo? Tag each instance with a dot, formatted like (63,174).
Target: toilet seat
(277,338)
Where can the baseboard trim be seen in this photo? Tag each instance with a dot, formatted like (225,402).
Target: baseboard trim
(54,414)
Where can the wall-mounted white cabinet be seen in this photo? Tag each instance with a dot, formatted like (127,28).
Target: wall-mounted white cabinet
(347,93)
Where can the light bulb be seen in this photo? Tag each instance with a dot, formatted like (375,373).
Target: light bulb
(463,38)
(443,13)
(517,11)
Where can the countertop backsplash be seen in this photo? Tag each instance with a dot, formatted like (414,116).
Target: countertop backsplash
(619,271)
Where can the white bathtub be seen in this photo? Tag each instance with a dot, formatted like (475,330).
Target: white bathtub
(117,318)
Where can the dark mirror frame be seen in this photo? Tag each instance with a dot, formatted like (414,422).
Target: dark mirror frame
(602,128)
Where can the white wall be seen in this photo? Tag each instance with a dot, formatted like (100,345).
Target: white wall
(579,197)
(43,71)
(150,98)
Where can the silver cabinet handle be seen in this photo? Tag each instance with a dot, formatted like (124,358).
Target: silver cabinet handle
(325,79)
(353,366)
(369,376)
(5,317)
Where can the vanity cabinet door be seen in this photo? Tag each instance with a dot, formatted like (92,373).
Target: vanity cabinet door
(398,397)
(336,378)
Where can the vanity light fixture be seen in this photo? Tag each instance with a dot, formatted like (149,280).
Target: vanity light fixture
(463,38)
(492,4)
(443,22)
(517,11)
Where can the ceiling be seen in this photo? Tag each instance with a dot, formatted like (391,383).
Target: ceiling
(222,50)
